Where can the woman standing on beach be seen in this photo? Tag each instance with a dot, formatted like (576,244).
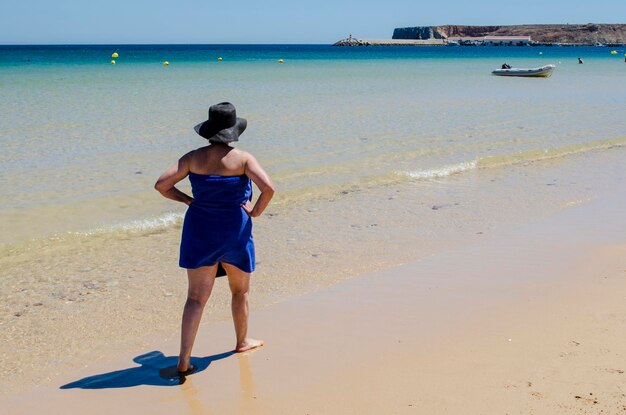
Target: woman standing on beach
(217,227)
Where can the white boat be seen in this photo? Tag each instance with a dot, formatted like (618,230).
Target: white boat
(543,72)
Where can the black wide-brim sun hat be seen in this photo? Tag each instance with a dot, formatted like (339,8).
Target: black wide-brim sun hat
(223,125)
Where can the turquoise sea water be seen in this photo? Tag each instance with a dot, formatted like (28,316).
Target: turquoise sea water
(83,140)
(98,54)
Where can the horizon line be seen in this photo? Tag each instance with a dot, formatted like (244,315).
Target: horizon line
(161,44)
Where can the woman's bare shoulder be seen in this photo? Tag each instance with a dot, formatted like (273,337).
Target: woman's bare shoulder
(241,155)
(244,155)
(189,155)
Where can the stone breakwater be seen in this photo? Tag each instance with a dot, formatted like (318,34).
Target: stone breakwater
(568,34)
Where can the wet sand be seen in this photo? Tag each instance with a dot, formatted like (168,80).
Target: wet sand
(529,320)
(81,300)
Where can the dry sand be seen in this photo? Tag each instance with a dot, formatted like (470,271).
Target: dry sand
(529,321)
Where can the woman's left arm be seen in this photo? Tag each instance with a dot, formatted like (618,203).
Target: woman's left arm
(166,185)
(256,173)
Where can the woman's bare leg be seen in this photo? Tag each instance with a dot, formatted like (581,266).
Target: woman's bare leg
(200,285)
(239,283)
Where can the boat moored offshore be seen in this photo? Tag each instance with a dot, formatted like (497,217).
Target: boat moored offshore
(541,72)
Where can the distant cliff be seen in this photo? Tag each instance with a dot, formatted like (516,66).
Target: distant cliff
(576,34)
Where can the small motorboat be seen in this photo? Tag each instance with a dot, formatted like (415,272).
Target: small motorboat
(543,72)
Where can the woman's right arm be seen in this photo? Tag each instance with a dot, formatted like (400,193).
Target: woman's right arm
(256,173)
(166,183)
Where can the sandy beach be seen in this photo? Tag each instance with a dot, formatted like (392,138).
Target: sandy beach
(532,322)
(93,303)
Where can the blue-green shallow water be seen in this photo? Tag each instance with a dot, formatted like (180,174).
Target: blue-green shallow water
(98,54)
(83,140)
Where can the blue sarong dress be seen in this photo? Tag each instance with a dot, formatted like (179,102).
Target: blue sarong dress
(216,228)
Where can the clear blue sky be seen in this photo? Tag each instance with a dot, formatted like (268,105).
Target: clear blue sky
(270,21)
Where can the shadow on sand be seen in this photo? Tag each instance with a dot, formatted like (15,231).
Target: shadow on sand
(156,369)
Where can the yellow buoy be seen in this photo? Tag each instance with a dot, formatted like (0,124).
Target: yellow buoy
(219,59)
(166,63)
(112,62)
(613,52)
(280,61)
(115,55)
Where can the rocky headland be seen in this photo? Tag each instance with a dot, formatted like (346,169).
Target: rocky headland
(565,34)
(590,34)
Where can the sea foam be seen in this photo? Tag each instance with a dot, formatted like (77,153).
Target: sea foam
(142,225)
(441,171)
(520,157)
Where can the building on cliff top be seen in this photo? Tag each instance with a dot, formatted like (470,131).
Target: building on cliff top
(466,40)
(507,40)
(491,40)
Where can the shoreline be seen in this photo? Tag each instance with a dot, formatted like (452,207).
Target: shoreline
(528,320)
(93,292)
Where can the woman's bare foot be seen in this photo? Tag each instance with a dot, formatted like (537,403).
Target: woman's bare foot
(248,344)
(184,366)
(191,369)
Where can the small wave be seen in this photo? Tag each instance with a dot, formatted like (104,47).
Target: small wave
(530,156)
(143,225)
(132,228)
(441,171)
(527,156)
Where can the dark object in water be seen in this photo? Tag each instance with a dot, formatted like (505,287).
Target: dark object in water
(542,72)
